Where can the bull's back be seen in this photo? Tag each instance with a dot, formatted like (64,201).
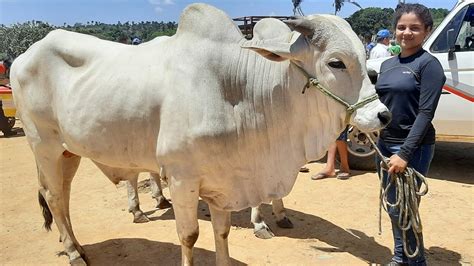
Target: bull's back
(49,67)
(73,88)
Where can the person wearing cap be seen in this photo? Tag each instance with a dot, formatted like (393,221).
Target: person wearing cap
(381,48)
(394,48)
(136,41)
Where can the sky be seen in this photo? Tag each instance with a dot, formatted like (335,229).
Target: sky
(58,12)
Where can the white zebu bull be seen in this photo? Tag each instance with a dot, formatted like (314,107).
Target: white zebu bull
(261,229)
(230,125)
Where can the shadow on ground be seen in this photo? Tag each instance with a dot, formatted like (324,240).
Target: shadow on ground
(138,251)
(453,161)
(307,226)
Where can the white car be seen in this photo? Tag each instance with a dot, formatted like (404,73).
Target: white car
(452,42)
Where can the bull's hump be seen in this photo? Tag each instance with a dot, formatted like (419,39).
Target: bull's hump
(208,22)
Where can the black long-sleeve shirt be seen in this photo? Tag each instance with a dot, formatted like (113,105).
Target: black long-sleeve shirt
(410,87)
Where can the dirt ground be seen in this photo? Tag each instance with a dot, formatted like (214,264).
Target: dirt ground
(336,222)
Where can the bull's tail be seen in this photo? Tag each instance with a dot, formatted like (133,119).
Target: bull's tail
(48,217)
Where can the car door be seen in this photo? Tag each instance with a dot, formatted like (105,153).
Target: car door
(454,48)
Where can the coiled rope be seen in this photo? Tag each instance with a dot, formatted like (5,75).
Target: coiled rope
(408,196)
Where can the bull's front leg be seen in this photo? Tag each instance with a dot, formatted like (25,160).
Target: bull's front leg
(279,212)
(185,197)
(221,225)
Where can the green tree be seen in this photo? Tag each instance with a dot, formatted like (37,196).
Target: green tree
(438,15)
(339,3)
(16,39)
(368,21)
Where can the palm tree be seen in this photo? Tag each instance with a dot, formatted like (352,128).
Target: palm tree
(297,7)
(339,3)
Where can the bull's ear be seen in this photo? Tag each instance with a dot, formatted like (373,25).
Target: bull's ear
(279,49)
(302,26)
(274,50)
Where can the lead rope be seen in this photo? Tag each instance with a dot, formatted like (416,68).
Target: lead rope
(314,82)
(407,200)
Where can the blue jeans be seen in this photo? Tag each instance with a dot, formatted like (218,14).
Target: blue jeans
(420,161)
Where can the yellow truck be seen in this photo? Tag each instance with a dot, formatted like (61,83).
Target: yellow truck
(9,110)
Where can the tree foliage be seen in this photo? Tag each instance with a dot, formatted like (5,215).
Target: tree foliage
(438,15)
(368,21)
(339,3)
(15,39)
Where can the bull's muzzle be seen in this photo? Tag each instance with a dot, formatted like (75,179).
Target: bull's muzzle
(385,117)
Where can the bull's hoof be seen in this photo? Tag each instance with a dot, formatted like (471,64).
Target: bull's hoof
(140,218)
(164,204)
(285,223)
(264,233)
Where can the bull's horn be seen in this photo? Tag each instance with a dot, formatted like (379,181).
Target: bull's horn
(302,26)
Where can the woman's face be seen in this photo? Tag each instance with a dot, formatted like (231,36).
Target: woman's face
(410,33)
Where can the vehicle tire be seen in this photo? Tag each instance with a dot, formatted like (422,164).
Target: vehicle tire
(360,150)
(11,122)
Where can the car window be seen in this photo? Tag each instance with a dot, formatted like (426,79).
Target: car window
(465,39)
(441,45)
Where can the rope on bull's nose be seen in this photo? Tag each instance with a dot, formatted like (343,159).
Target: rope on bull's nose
(407,200)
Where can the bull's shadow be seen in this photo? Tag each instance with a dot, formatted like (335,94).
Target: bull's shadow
(452,161)
(307,226)
(139,251)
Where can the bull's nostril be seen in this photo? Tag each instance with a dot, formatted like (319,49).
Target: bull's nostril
(385,117)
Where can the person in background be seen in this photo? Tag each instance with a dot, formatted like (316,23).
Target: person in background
(136,41)
(369,47)
(340,146)
(410,86)
(394,48)
(381,48)
(4,82)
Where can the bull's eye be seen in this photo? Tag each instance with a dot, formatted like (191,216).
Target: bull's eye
(337,64)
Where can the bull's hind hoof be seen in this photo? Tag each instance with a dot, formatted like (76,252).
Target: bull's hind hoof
(285,223)
(164,204)
(264,233)
(140,218)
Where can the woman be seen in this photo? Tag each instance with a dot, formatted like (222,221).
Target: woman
(410,86)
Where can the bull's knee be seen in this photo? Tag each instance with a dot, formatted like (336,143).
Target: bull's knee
(190,239)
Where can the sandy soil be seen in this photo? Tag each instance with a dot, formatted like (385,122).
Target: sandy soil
(335,221)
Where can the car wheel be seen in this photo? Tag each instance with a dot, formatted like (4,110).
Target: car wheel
(11,122)
(360,150)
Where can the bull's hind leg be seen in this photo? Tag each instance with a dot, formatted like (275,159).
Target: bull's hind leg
(70,164)
(221,225)
(260,228)
(157,191)
(130,177)
(185,196)
(55,175)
